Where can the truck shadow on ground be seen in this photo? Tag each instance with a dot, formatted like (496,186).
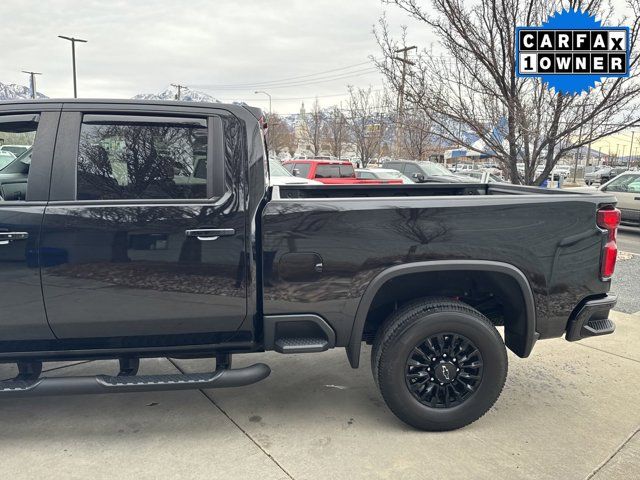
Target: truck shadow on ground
(301,392)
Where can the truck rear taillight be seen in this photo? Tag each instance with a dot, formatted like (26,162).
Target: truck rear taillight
(609,219)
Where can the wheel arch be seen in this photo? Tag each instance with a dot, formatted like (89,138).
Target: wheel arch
(521,345)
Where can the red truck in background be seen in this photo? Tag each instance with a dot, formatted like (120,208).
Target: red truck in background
(330,172)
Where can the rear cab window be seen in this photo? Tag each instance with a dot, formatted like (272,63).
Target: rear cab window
(328,171)
(335,171)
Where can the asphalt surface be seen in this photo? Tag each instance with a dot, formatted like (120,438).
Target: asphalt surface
(626,279)
(629,239)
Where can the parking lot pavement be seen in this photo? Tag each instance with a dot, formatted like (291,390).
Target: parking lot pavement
(625,283)
(125,436)
(629,239)
(569,411)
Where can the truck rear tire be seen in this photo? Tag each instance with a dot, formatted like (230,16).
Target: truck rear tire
(439,364)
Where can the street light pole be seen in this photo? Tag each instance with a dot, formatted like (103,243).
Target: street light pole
(73,59)
(260,91)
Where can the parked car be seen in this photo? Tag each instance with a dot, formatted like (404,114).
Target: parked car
(17,150)
(6,158)
(316,157)
(382,174)
(603,175)
(463,168)
(278,175)
(626,188)
(96,264)
(330,172)
(424,172)
(563,170)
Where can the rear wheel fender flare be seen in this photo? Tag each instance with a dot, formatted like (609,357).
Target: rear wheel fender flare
(355,342)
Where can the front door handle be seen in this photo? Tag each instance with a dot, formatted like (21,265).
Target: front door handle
(209,234)
(6,237)
(637,198)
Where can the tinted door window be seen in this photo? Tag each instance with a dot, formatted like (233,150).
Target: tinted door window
(410,169)
(139,161)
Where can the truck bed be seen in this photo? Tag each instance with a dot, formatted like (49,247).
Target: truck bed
(356,232)
(416,190)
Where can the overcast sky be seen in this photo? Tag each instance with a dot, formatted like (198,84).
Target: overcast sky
(143,46)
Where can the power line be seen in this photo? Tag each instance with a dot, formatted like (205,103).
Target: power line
(282,99)
(357,73)
(285,79)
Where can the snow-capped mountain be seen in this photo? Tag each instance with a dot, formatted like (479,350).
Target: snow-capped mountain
(11,91)
(171,92)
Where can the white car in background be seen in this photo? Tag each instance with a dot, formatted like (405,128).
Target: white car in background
(6,157)
(485,176)
(563,170)
(17,150)
(382,174)
(626,188)
(280,176)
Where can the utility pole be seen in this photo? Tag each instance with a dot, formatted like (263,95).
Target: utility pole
(179,87)
(73,59)
(405,61)
(630,151)
(32,82)
(577,154)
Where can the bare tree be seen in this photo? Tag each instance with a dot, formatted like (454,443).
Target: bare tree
(367,122)
(280,136)
(417,135)
(314,124)
(336,132)
(473,87)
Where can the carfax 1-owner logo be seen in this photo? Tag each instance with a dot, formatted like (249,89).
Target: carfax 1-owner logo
(572,51)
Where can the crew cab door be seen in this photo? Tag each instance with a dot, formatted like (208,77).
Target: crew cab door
(24,188)
(145,238)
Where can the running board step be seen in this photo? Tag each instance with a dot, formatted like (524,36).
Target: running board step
(138,383)
(301,345)
(594,328)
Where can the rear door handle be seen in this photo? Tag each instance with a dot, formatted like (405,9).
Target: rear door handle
(6,237)
(209,234)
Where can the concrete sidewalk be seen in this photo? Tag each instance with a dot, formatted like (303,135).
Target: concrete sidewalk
(570,411)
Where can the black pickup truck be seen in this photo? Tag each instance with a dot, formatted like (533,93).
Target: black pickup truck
(148,229)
